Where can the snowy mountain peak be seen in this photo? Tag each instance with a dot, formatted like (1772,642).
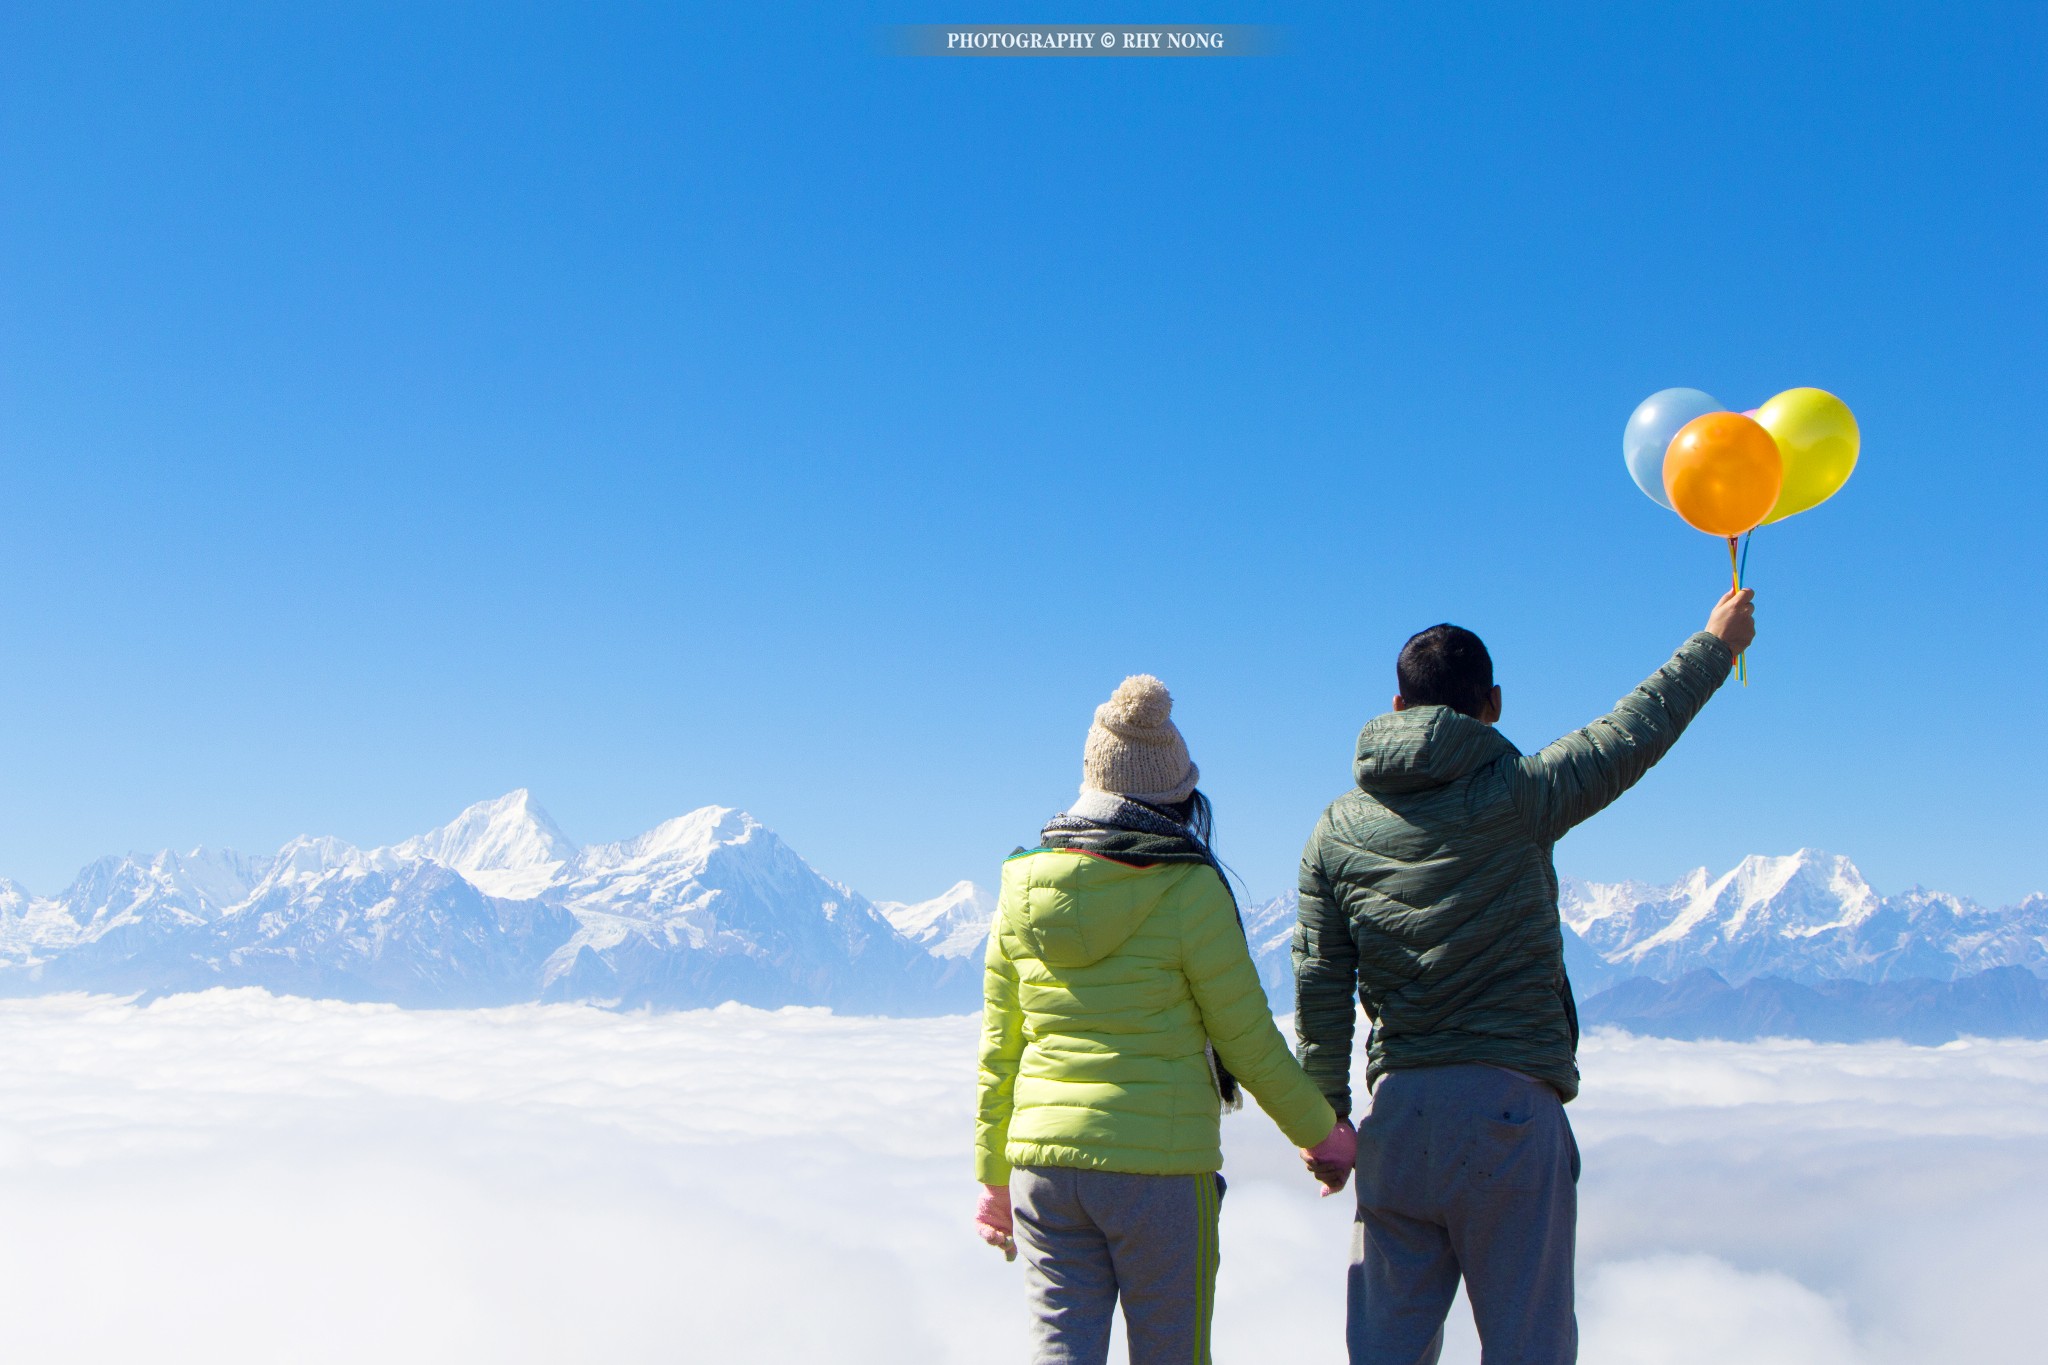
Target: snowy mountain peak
(310,856)
(1800,894)
(160,889)
(218,877)
(508,847)
(952,924)
(1795,895)
(1269,925)
(690,839)
(1805,916)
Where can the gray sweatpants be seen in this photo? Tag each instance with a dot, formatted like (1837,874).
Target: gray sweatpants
(1090,1238)
(1468,1170)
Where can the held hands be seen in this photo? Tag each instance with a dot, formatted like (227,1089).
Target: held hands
(992,1220)
(1734,619)
(1330,1161)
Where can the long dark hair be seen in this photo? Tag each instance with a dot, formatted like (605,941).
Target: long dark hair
(1197,814)
(1198,817)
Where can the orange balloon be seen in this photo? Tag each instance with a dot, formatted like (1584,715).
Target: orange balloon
(1722,473)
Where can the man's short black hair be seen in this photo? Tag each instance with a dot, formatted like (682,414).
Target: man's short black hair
(1446,665)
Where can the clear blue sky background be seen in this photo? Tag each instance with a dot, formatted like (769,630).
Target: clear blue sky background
(655,407)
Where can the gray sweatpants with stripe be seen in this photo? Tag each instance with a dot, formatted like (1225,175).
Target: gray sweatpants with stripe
(1092,1238)
(1464,1171)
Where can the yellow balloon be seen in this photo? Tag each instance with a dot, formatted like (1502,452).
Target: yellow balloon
(1816,434)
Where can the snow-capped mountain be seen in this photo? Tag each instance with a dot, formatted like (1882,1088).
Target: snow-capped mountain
(1808,917)
(954,924)
(496,906)
(1788,925)
(507,847)
(953,928)
(1269,929)
(713,906)
(499,906)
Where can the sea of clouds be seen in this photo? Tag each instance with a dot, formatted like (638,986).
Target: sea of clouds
(234,1177)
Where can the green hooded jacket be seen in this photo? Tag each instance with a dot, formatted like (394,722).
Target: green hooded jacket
(1428,892)
(1105,985)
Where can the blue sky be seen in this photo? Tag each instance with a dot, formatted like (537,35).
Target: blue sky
(654,406)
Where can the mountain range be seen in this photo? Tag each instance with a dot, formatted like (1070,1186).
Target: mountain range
(499,906)
(496,906)
(1808,917)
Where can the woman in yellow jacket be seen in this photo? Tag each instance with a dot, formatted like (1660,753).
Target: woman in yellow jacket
(1122,1012)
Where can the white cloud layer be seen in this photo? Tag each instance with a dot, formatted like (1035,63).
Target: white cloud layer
(229,1177)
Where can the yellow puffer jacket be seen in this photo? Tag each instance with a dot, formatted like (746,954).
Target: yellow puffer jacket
(1105,983)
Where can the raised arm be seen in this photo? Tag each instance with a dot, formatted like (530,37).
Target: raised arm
(1325,982)
(1578,776)
(1235,1015)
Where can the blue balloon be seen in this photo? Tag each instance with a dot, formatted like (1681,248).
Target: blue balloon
(1650,429)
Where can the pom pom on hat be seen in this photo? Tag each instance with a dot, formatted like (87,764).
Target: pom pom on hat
(1140,702)
(1134,749)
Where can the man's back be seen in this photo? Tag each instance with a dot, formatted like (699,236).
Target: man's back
(1428,891)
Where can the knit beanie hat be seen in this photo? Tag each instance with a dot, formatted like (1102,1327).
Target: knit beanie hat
(1134,749)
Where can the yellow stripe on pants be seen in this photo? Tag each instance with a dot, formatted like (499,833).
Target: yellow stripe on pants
(1208,1258)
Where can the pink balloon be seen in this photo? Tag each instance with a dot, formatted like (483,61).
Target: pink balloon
(1751,414)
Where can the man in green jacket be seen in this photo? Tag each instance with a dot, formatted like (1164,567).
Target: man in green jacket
(1429,896)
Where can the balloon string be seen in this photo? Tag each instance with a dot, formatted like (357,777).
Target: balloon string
(1741,577)
(1735,573)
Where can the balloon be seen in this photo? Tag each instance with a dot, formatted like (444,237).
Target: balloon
(1723,473)
(1650,429)
(1816,434)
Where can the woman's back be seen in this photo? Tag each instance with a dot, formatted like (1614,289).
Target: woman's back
(1115,966)
(1107,984)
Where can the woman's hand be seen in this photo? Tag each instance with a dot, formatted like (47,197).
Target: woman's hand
(1330,1161)
(992,1220)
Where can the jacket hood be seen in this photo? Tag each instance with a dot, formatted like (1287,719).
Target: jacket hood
(1424,747)
(1072,909)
